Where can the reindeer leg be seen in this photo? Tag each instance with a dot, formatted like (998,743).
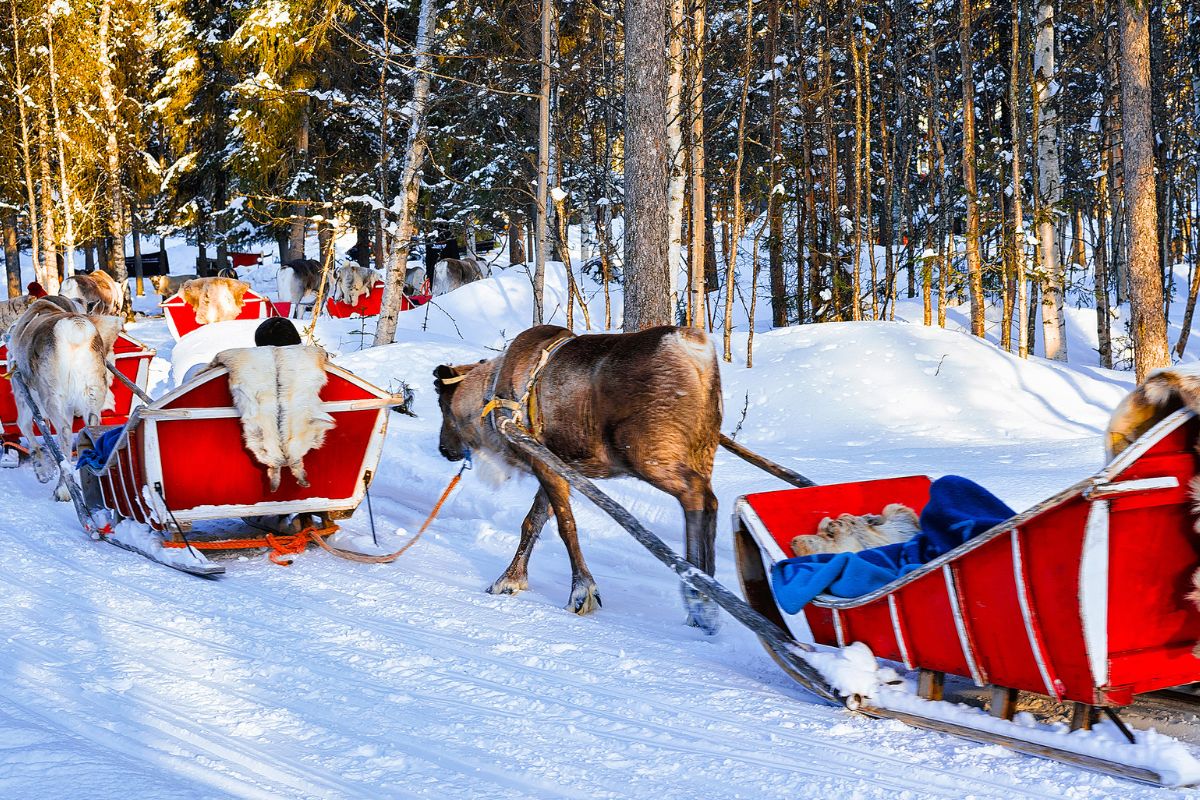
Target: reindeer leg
(584,597)
(516,577)
(700,523)
(41,466)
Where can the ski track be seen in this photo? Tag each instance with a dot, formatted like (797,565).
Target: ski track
(562,697)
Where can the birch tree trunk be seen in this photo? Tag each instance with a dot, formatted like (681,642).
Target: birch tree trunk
(410,180)
(677,180)
(974,262)
(543,172)
(647,285)
(1141,203)
(112,152)
(1049,184)
(779,315)
(1018,173)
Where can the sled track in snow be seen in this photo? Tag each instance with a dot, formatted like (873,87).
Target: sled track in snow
(692,738)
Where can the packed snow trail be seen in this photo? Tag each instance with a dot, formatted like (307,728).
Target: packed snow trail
(331,679)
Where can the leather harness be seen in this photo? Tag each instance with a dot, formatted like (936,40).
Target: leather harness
(527,404)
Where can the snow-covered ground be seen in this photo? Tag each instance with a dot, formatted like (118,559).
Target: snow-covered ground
(121,678)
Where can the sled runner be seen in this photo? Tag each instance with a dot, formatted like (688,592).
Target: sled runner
(181,460)
(1082,599)
(181,317)
(130,357)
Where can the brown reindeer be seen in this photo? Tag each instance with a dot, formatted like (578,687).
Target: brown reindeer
(644,404)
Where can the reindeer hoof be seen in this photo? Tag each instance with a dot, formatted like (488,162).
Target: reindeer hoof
(507,585)
(44,468)
(703,613)
(584,599)
(62,494)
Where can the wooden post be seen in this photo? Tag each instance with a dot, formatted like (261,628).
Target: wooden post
(1082,716)
(1004,702)
(931,684)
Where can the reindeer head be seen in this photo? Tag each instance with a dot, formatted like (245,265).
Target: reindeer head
(460,397)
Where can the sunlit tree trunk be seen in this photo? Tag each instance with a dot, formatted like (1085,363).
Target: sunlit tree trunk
(410,180)
(1149,326)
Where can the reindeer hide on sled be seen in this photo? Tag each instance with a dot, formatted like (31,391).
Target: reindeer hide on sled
(276,390)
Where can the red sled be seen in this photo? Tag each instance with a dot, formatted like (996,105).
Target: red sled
(181,459)
(245,259)
(181,317)
(369,305)
(1081,598)
(130,357)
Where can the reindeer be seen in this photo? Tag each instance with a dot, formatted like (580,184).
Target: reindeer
(297,280)
(96,291)
(354,282)
(167,285)
(60,355)
(644,404)
(451,273)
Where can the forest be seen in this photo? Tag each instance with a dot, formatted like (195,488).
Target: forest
(1024,157)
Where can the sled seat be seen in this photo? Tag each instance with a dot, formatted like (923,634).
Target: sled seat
(1081,598)
(181,459)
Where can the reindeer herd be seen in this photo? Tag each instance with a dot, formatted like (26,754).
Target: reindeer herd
(646,405)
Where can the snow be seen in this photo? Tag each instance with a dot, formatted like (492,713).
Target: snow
(334,679)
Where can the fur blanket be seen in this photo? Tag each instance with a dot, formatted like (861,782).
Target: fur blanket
(214,299)
(957,510)
(277,393)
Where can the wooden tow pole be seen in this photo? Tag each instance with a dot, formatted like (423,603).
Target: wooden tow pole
(788,648)
(766,465)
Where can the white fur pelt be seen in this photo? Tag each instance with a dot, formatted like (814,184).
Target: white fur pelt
(850,533)
(61,356)
(214,299)
(277,394)
(354,281)
(414,280)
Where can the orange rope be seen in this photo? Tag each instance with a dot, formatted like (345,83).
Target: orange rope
(390,557)
(283,545)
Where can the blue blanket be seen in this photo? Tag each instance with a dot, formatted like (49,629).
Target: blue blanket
(957,510)
(96,457)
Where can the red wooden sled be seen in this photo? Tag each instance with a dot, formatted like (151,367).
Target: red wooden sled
(1082,598)
(181,459)
(370,304)
(181,317)
(130,357)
